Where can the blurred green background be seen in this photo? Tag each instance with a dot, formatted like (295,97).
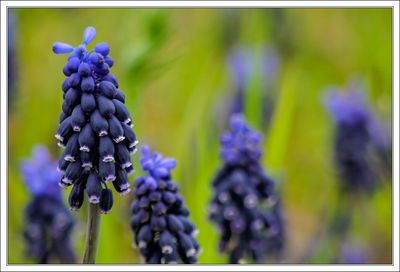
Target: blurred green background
(171,64)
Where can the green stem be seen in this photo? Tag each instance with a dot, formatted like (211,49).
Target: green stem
(93,234)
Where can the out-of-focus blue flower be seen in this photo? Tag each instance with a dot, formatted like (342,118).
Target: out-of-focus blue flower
(47,221)
(352,255)
(40,173)
(240,66)
(243,63)
(95,127)
(357,130)
(270,65)
(347,108)
(245,206)
(241,145)
(163,232)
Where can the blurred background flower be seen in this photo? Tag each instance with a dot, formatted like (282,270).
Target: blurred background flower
(174,81)
(48,223)
(245,205)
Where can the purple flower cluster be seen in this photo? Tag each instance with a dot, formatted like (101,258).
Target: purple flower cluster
(245,206)
(48,223)
(355,130)
(95,126)
(163,232)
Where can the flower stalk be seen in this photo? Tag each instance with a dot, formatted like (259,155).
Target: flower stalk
(92,234)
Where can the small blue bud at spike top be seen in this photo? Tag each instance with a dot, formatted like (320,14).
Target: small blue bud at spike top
(93,127)
(48,223)
(62,48)
(163,232)
(241,206)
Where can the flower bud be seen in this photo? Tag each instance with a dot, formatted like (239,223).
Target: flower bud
(94,188)
(76,197)
(106,201)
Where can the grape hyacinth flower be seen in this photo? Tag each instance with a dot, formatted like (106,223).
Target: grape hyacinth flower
(240,66)
(245,206)
(95,126)
(353,138)
(163,232)
(243,63)
(48,223)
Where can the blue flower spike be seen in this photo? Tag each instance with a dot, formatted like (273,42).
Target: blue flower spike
(163,232)
(95,127)
(245,206)
(355,127)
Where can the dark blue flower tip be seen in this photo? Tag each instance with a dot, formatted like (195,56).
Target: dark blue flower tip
(121,112)
(88,102)
(107,171)
(121,183)
(72,148)
(107,89)
(130,136)
(99,123)
(84,69)
(78,119)
(73,172)
(64,129)
(72,97)
(87,159)
(87,84)
(76,197)
(89,35)
(62,48)
(106,149)
(105,106)
(86,139)
(122,155)
(106,201)
(94,188)
(102,48)
(116,130)
(73,64)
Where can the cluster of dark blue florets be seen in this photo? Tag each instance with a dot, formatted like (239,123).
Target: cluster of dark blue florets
(245,206)
(353,138)
(95,126)
(48,223)
(163,232)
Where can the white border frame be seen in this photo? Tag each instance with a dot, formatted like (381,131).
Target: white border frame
(193,4)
